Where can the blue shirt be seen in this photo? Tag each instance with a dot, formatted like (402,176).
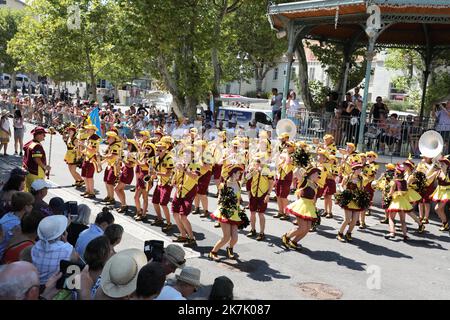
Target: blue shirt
(94,231)
(8,222)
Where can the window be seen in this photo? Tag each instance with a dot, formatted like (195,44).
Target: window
(275,74)
(228,88)
(262,118)
(293,73)
(312,74)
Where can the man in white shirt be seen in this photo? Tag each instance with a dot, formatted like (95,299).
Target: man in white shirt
(186,284)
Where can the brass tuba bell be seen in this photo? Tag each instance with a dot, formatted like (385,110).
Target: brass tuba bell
(431,144)
(287,126)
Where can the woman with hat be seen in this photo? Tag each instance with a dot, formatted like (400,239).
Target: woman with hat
(91,161)
(34,159)
(413,196)
(126,174)
(304,209)
(427,167)
(5,131)
(442,193)
(185,179)
(52,247)
(400,202)
(228,218)
(322,164)
(206,160)
(144,178)
(71,154)
(329,145)
(19,129)
(352,210)
(285,176)
(218,151)
(112,157)
(330,185)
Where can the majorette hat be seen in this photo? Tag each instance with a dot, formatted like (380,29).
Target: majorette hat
(38,130)
(312,170)
(409,164)
(357,165)
(390,166)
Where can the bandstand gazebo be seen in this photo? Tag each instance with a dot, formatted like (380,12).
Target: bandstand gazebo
(423,25)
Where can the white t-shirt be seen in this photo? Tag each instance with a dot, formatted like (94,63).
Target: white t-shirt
(170,293)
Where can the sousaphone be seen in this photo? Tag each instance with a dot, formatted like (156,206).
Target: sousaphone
(287,126)
(431,144)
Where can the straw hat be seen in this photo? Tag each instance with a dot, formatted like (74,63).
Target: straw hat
(190,276)
(175,255)
(52,227)
(4,113)
(119,275)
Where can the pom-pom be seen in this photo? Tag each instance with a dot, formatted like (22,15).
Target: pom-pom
(420,182)
(245,222)
(362,198)
(344,198)
(228,202)
(301,158)
(386,197)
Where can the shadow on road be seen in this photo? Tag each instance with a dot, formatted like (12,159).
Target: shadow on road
(256,269)
(331,256)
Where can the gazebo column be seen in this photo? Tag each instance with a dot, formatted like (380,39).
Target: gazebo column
(428,58)
(369,57)
(292,38)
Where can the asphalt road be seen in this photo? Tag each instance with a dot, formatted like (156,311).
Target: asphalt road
(369,268)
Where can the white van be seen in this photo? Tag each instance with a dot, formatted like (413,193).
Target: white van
(4,80)
(244,116)
(21,79)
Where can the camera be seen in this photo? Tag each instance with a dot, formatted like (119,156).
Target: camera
(154,250)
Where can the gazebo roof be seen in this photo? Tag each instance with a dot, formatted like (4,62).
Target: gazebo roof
(415,23)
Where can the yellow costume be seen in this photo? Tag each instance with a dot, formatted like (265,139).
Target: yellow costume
(305,208)
(442,192)
(234,219)
(400,199)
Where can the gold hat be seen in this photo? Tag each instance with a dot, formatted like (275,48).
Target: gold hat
(167,140)
(390,166)
(200,143)
(328,136)
(134,143)
(145,133)
(352,145)
(91,127)
(193,130)
(284,135)
(371,154)
(112,134)
(235,143)
(161,145)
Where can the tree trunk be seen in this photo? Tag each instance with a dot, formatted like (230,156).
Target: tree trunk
(92,79)
(13,80)
(303,77)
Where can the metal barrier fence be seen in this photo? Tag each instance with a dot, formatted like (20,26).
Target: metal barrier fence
(398,138)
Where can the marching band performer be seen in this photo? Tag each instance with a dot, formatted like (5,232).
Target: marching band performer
(113,159)
(322,159)
(142,137)
(350,156)
(228,217)
(206,160)
(442,193)
(427,167)
(413,196)
(144,179)
(218,150)
(34,159)
(304,209)
(329,145)
(282,140)
(330,185)
(91,161)
(127,173)
(185,179)
(261,186)
(351,182)
(164,165)
(400,203)
(285,175)
(72,156)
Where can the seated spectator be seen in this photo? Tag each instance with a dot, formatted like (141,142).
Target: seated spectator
(21,204)
(79,224)
(150,281)
(57,206)
(97,229)
(173,258)
(26,237)
(222,289)
(20,281)
(119,276)
(16,182)
(98,251)
(114,234)
(52,247)
(39,189)
(187,283)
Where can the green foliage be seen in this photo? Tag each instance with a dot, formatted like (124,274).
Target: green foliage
(319,94)
(9,22)
(253,94)
(438,88)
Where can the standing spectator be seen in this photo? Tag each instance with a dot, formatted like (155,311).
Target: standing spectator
(102,221)
(331,105)
(356,96)
(5,131)
(18,131)
(222,289)
(97,253)
(79,224)
(354,111)
(52,247)
(442,115)
(378,108)
(39,189)
(392,135)
(24,238)
(187,284)
(150,281)
(406,128)
(276,103)
(114,233)
(119,276)
(21,204)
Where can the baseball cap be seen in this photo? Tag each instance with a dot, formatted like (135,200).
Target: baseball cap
(39,185)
